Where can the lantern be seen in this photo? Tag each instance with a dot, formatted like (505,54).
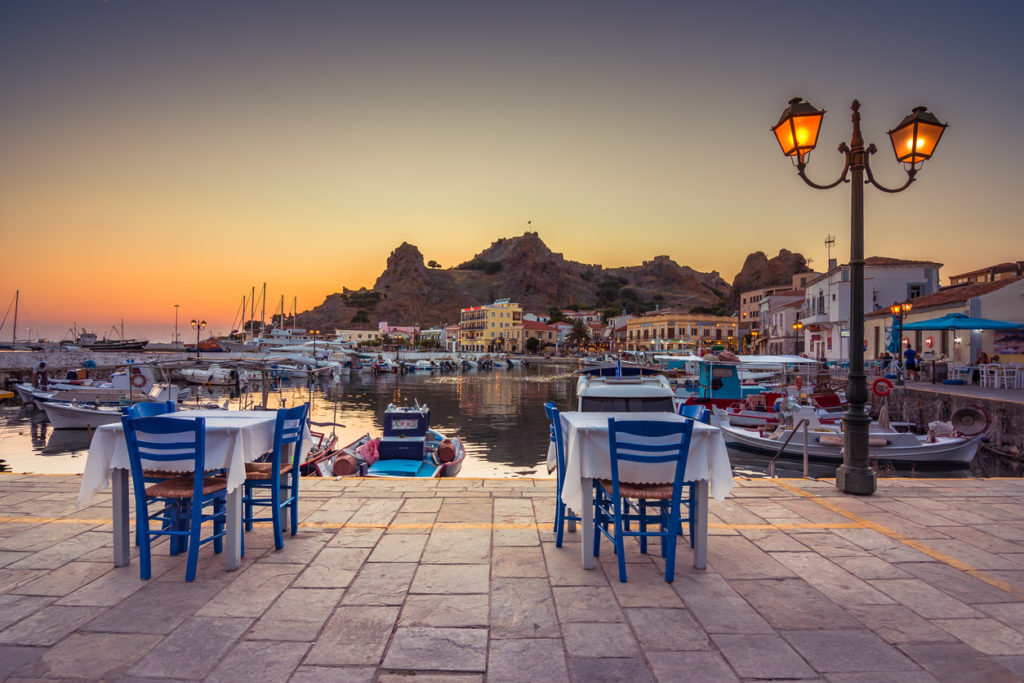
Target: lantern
(797,129)
(915,139)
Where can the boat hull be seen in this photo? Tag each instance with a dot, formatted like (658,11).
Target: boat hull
(67,416)
(944,450)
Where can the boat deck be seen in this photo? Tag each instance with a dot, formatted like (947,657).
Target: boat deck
(460,578)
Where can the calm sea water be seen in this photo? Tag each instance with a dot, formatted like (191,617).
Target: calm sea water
(498,414)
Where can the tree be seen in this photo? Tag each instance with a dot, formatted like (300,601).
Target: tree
(555,315)
(532,344)
(433,264)
(361,316)
(579,335)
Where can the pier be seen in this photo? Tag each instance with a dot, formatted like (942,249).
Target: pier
(460,579)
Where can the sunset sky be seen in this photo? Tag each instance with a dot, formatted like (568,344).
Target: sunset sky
(161,152)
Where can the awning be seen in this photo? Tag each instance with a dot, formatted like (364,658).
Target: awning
(959,321)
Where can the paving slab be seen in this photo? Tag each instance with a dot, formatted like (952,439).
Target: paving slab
(460,581)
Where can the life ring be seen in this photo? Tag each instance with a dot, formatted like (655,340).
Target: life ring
(881,387)
(140,383)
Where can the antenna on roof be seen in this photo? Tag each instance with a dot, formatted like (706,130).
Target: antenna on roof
(830,242)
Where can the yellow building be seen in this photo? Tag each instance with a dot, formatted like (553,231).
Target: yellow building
(681,332)
(496,327)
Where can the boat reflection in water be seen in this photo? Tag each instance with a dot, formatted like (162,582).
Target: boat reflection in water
(67,441)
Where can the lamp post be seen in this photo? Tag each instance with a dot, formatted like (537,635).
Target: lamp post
(198,325)
(913,141)
(900,311)
(798,327)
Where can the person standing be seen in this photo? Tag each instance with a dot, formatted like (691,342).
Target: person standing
(910,362)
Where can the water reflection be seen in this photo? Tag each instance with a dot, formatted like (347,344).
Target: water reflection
(498,414)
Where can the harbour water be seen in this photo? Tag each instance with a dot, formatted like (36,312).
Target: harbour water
(498,414)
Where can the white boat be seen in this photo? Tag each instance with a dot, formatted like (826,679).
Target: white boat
(76,415)
(211,375)
(826,443)
(636,393)
(80,416)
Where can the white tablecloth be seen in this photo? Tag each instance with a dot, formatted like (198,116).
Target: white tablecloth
(588,454)
(233,437)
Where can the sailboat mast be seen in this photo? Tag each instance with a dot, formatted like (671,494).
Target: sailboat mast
(263,310)
(281,322)
(243,318)
(14,330)
(295,311)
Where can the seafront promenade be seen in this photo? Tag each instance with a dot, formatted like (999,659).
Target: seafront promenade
(460,580)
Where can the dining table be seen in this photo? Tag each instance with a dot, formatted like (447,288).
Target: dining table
(588,457)
(233,438)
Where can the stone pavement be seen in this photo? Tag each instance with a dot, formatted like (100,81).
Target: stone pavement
(460,580)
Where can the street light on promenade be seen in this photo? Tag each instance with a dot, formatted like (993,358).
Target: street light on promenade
(198,325)
(900,311)
(799,328)
(913,141)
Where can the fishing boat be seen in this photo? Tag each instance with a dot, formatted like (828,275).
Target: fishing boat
(211,375)
(632,394)
(79,415)
(410,448)
(825,442)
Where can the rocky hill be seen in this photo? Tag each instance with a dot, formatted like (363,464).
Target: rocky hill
(759,271)
(526,271)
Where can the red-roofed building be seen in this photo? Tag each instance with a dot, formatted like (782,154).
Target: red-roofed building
(1001,299)
(1002,271)
(547,335)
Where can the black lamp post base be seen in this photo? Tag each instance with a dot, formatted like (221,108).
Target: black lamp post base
(861,481)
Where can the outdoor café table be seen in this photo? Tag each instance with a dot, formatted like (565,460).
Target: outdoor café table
(233,438)
(588,457)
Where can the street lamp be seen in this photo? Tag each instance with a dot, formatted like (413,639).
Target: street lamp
(900,311)
(914,141)
(198,325)
(799,328)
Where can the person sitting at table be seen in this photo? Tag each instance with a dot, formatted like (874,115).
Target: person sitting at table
(981,359)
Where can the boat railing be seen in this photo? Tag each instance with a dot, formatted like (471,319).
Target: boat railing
(796,427)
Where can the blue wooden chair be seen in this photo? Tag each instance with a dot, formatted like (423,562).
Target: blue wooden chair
(182,498)
(660,505)
(560,508)
(696,411)
(148,409)
(152,409)
(280,477)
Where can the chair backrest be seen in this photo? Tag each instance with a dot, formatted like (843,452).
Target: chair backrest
(148,409)
(291,422)
(160,439)
(697,412)
(651,441)
(556,437)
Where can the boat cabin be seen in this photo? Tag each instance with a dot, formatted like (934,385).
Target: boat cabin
(405,432)
(635,394)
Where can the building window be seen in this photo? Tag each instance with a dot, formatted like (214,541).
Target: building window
(915,291)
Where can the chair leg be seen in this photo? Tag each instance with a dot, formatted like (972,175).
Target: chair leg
(275,506)
(195,531)
(142,535)
(247,505)
(620,549)
(295,501)
(559,523)
(669,545)
(642,505)
(218,524)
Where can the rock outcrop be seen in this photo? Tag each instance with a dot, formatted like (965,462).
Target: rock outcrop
(526,271)
(759,271)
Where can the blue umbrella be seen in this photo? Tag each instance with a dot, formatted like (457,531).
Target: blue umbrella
(959,321)
(894,340)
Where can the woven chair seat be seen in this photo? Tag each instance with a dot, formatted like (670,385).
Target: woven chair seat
(157,474)
(183,487)
(264,471)
(647,491)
